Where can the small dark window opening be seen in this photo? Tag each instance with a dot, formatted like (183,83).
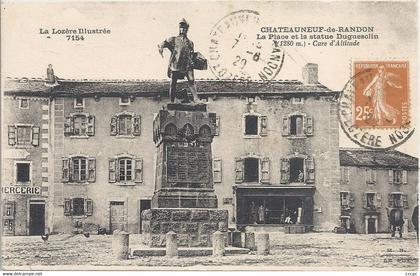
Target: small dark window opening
(397,176)
(125,100)
(78,206)
(251,125)
(296,170)
(296,125)
(79,102)
(251,170)
(24,103)
(23,172)
(370,200)
(396,201)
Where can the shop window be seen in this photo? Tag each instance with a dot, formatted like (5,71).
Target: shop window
(125,124)
(255,125)
(125,170)
(297,170)
(23,104)
(23,172)
(397,177)
(79,125)
(79,103)
(78,206)
(297,125)
(79,169)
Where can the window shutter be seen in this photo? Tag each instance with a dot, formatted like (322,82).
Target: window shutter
(114,126)
(68,126)
(285,168)
(239,170)
(217,170)
(67,206)
(136,125)
(265,170)
(285,126)
(367,176)
(91,126)
(263,126)
(35,136)
(65,170)
(310,170)
(364,200)
(405,201)
(351,200)
(217,128)
(373,176)
(404,177)
(112,170)
(390,200)
(347,174)
(390,176)
(378,202)
(92,169)
(309,126)
(12,135)
(138,174)
(88,207)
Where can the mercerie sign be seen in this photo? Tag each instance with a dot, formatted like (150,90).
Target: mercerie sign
(21,190)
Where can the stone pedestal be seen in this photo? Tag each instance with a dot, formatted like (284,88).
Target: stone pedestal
(184,200)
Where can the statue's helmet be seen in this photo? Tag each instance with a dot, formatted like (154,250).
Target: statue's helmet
(183,23)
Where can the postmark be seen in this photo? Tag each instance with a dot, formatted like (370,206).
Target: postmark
(374,106)
(235,53)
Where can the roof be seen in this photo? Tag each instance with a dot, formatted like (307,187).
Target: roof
(377,158)
(67,87)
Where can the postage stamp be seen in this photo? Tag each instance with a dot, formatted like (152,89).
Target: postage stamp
(381,97)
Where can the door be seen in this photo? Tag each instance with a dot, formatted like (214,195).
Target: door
(145,204)
(371,226)
(117,218)
(36,219)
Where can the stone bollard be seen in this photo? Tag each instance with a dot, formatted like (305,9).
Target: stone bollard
(120,245)
(250,241)
(219,240)
(236,238)
(229,237)
(171,245)
(263,244)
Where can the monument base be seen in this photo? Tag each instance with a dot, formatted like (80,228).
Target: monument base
(184,198)
(195,227)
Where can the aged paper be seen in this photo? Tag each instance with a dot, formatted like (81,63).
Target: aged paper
(290,144)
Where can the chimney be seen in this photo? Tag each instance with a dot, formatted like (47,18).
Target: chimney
(310,74)
(50,74)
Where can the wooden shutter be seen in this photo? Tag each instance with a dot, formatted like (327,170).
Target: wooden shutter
(285,126)
(68,126)
(364,200)
(405,201)
(71,170)
(91,169)
(368,174)
(136,125)
(309,125)
(65,170)
(91,126)
(11,135)
(239,170)
(310,170)
(217,126)
(390,200)
(263,126)
(390,177)
(138,171)
(265,170)
(373,176)
(88,207)
(114,121)
(67,206)
(351,200)
(217,170)
(35,136)
(404,177)
(284,170)
(112,170)
(378,200)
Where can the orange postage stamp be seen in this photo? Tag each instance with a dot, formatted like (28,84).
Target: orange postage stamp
(381,97)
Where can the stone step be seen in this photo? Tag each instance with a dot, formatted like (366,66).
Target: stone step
(186,251)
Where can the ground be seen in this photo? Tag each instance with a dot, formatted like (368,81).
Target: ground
(300,251)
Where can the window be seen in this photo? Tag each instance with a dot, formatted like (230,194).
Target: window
(78,206)
(370,176)
(297,125)
(217,170)
(23,104)
(124,100)
(79,169)
(126,170)
(296,100)
(397,177)
(79,125)
(344,200)
(255,125)
(345,175)
(252,169)
(297,170)
(125,124)
(398,200)
(79,103)
(23,135)
(23,172)
(370,200)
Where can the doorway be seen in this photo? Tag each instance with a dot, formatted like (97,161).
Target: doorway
(371,225)
(145,204)
(37,218)
(117,216)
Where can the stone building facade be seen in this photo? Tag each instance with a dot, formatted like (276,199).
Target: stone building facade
(275,153)
(371,182)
